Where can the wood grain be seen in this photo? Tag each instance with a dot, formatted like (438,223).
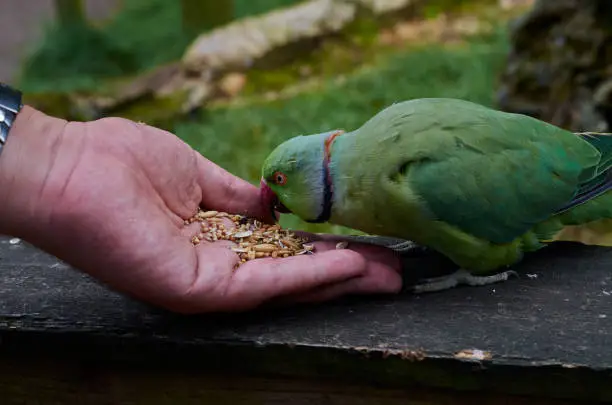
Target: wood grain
(548,334)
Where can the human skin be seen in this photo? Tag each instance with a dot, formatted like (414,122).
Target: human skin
(110,198)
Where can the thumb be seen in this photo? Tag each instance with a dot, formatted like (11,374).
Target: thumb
(223,191)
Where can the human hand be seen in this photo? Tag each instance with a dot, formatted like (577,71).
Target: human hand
(110,198)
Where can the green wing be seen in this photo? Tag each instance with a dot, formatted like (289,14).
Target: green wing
(492,174)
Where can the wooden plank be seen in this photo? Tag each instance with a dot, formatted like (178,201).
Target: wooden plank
(548,334)
(68,384)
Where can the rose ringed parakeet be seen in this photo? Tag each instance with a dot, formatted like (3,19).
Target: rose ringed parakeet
(478,185)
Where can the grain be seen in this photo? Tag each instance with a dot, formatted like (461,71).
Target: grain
(254,239)
(342,245)
(265,247)
(206,214)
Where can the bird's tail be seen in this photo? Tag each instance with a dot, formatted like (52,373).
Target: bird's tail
(587,218)
(602,141)
(596,233)
(598,181)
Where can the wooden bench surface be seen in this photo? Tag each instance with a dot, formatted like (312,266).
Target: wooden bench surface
(547,333)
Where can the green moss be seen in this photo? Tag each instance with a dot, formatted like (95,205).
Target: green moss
(340,54)
(161,112)
(247,8)
(55,104)
(337,55)
(432,9)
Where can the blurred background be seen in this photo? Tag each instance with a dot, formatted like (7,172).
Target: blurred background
(235,78)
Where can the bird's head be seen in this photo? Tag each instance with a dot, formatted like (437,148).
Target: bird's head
(295,177)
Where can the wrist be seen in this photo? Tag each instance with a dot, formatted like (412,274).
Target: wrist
(26,162)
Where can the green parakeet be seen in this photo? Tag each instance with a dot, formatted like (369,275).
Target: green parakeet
(478,185)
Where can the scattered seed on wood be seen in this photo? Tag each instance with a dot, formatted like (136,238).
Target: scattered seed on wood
(255,239)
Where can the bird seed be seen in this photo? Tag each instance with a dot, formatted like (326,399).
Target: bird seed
(254,238)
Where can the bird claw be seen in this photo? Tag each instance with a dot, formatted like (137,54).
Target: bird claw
(459,277)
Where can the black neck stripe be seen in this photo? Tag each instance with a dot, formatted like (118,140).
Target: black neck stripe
(327,195)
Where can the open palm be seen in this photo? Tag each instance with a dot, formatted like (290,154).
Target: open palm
(113,204)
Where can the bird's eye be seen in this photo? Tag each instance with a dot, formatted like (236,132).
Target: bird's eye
(279,178)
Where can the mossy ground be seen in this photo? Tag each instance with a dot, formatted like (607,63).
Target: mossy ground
(355,78)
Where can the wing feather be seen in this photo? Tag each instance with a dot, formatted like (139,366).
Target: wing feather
(492,174)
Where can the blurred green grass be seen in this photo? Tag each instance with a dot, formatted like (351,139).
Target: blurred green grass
(147,33)
(143,34)
(239,138)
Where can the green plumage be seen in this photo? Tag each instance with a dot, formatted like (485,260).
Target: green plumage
(479,185)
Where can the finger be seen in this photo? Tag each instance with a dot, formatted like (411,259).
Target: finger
(383,276)
(191,230)
(216,263)
(227,244)
(373,253)
(223,191)
(260,280)
(217,224)
(380,280)
(378,254)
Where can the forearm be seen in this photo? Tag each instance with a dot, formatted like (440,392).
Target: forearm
(26,161)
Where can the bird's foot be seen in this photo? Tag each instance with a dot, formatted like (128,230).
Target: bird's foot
(459,277)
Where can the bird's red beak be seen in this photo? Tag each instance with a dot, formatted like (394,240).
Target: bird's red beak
(270,199)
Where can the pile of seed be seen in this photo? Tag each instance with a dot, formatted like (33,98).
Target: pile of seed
(255,239)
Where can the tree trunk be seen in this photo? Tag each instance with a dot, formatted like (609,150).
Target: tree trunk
(559,64)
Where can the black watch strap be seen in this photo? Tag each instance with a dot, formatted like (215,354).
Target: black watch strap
(10,105)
